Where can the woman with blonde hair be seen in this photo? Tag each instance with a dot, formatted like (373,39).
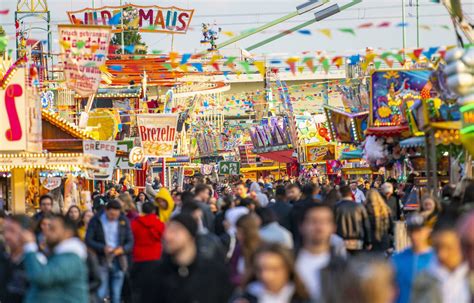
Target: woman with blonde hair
(272,278)
(381,222)
(128,206)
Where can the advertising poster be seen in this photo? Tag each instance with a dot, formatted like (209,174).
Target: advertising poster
(106,152)
(83,52)
(172,20)
(395,90)
(124,163)
(320,152)
(157,134)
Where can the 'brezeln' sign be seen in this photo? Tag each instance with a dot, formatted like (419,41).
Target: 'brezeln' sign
(157,134)
(172,19)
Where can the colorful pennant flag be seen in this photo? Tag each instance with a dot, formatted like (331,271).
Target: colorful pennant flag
(306,32)
(185,58)
(198,67)
(115,20)
(326,32)
(260,65)
(348,31)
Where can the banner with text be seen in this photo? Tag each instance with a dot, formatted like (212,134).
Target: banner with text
(106,151)
(173,20)
(83,52)
(157,134)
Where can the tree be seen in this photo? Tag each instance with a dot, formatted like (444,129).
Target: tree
(132,40)
(130,37)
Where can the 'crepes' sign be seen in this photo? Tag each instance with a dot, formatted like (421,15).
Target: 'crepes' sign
(154,18)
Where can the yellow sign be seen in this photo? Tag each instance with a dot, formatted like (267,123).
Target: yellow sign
(320,152)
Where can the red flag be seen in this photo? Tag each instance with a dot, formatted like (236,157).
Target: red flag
(366,25)
(384,24)
(418,52)
(216,66)
(4,12)
(442,53)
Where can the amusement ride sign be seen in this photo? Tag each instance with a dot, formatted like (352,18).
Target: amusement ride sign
(173,20)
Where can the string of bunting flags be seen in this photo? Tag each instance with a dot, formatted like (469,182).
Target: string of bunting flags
(225,65)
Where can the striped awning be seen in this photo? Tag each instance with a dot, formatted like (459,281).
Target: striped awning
(413,142)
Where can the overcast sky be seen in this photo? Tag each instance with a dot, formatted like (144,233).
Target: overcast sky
(238,15)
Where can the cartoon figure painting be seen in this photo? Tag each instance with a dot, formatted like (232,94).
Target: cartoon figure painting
(392,92)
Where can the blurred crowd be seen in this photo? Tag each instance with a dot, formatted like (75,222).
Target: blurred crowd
(245,242)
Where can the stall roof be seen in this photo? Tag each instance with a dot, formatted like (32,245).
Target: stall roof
(413,142)
(65,126)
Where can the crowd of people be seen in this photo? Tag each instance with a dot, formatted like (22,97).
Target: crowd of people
(244,242)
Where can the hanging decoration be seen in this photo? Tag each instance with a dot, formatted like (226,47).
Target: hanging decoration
(210,35)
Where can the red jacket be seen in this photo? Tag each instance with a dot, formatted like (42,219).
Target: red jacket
(147,233)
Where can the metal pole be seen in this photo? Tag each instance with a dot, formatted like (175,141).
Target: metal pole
(257,30)
(417,24)
(123,32)
(297,28)
(403,27)
(261,28)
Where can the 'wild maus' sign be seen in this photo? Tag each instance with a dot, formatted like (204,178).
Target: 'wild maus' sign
(172,19)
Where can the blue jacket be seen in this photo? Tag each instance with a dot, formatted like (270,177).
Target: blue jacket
(62,278)
(407,265)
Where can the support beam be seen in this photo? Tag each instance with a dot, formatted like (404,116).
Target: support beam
(319,16)
(301,9)
(18,186)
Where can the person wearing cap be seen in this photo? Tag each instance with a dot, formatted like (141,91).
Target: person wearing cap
(183,275)
(414,259)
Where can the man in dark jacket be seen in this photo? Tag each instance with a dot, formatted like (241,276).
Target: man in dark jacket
(184,276)
(46,207)
(352,222)
(209,245)
(308,198)
(391,200)
(281,207)
(202,193)
(109,235)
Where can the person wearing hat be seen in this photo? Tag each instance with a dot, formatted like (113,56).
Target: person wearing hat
(414,259)
(183,275)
